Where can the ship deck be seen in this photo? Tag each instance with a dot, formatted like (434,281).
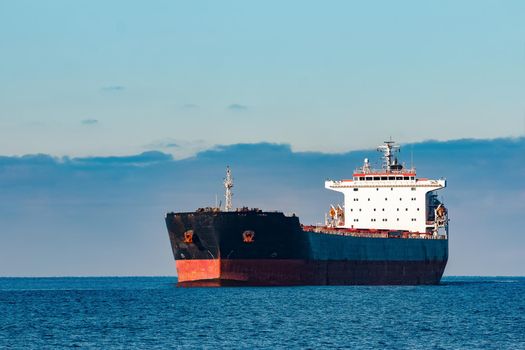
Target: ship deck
(371,233)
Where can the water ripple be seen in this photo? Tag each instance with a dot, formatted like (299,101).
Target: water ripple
(151,313)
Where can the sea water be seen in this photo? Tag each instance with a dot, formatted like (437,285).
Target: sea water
(152,312)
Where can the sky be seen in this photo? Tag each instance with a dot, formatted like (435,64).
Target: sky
(115,112)
(104,216)
(88,78)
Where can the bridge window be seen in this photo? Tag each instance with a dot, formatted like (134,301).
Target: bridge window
(399,177)
(384,178)
(377,178)
(368,178)
(391,177)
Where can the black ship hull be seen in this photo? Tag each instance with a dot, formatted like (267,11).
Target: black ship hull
(269,248)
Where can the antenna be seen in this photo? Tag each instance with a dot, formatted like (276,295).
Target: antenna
(411,156)
(228,185)
(388,149)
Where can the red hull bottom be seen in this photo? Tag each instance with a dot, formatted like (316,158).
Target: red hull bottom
(225,272)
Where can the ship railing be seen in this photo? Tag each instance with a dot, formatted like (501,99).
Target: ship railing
(371,233)
(360,170)
(440,223)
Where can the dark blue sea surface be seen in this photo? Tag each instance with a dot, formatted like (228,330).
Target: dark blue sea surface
(151,312)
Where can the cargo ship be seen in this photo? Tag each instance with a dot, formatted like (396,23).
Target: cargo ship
(391,229)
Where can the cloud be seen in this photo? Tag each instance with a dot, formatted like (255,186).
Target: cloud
(163,144)
(114,88)
(107,212)
(190,106)
(179,148)
(237,107)
(172,145)
(90,121)
(144,158)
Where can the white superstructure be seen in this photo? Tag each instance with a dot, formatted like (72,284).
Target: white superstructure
(391,198)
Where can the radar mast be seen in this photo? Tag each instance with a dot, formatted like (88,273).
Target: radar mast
(388,149)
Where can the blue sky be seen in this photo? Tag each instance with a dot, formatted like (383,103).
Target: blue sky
(287,92)
(121,77)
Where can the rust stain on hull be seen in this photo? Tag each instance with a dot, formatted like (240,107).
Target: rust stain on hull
(267,272)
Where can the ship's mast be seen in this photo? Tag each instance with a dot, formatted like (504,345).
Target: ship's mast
(388,149)
(228,185)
